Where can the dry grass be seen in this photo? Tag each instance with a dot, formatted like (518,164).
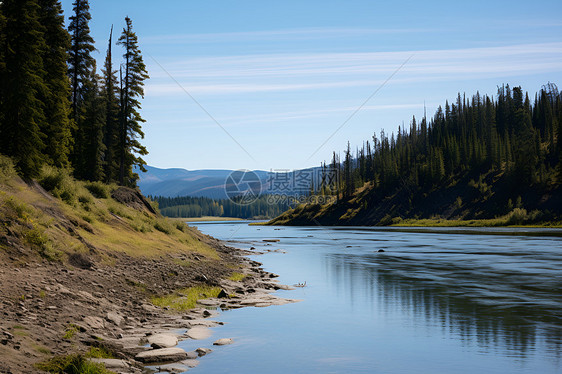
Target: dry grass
(186,298)
(237,277)
(45,223)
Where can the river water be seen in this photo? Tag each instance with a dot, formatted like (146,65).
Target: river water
(432,301)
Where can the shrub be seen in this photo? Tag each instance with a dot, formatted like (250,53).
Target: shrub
(7,170)
(72,364)
(41,242)
(163,226)
(59,183)
(516,217)
(98,190)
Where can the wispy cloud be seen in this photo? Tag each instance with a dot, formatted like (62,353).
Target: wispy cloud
(296,72)
(287,34)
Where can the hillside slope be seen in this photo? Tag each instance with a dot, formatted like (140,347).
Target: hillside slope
(80,263)
(491,200)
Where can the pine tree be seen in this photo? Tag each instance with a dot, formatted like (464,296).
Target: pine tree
(132,90)
(111,102)
(57,128)
(93,148)
(23,86)
(81,64)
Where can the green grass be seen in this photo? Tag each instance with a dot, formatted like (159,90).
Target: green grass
(99,352)
(183,263)
(71,330)
(185,299)
(41,349)
(516,218)
(72,364)
(237,277)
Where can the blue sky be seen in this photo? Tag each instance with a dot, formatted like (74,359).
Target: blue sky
(280,78)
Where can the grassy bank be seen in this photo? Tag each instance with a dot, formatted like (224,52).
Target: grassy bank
(64,240)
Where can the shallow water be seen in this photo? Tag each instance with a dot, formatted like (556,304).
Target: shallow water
(435,301)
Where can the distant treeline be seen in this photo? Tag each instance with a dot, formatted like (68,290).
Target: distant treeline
(479,134)
(55,109)
(186,207)
(479,157)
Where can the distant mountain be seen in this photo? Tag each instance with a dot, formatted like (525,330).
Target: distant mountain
(181,182)
(211,183)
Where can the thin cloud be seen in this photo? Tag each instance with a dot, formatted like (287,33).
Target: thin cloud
(287,34)
(299,72)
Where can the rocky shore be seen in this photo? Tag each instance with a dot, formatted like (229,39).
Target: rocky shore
(55,309)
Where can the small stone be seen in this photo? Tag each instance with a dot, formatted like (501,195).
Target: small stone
(116,318)
(162,355)
(111,363)
(203,351)
(198,333)
(223,341)
(162,341)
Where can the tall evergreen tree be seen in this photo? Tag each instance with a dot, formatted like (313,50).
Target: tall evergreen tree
(132,90)
(91,132)
(111,106)
(22,86)
(57,128)
(80,66)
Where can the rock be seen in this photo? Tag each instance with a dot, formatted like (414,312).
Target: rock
(162,355)
(111,363)
(203,351)
(380,250)
(271,240)
(223,341)
(206,313)
(192,355)
(162,341)
(173,368)
(116,318)
(190,363)
(284,287)
(208,302)
(198,333)
(94,322)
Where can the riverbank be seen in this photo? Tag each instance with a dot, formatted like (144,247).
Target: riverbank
(90,271)
(105,311)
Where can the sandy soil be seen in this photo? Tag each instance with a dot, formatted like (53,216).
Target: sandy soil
(40,302)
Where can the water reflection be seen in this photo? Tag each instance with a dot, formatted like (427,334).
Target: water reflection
(504,312)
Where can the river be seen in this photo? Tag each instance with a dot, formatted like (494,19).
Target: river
(385,300)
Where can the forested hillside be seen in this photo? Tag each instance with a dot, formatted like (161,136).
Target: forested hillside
(266,206)
(477,158)
(56,109)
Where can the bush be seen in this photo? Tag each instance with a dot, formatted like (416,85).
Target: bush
(72,364)
(41,242)
(517,216)
(163,226)
(59,183)
(98,190)
(7,170)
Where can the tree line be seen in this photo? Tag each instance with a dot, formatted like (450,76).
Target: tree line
(508,134)
(186,207)
(55,107)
